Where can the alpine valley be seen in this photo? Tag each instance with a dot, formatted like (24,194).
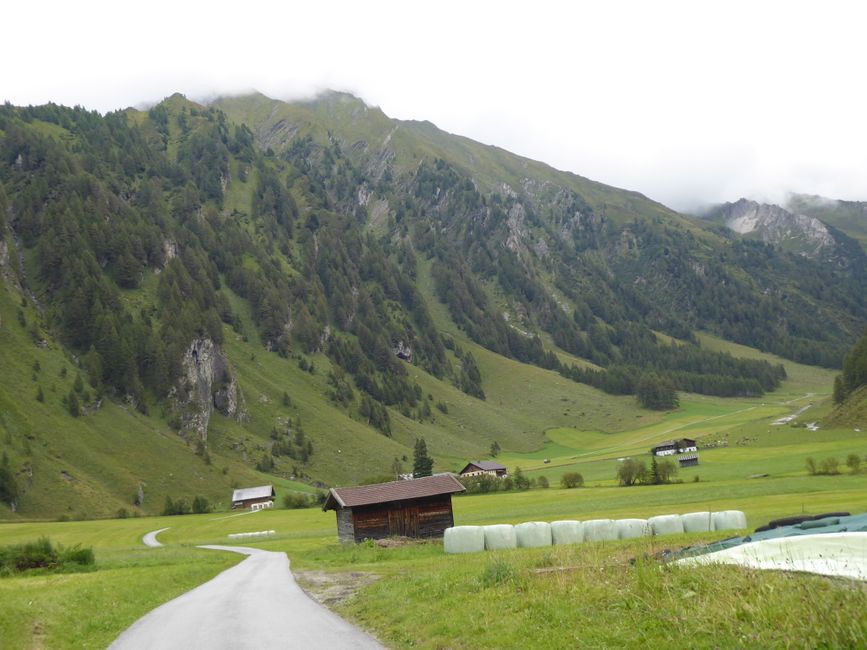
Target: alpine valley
(198,297)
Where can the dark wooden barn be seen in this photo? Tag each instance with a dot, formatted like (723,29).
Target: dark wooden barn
(420,507)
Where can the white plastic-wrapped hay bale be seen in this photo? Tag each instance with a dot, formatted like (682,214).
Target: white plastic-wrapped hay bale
(500,536)
(600,530)
(696,522)
(464,539)
(567,532)
(729,520)
(666,524)
(531,534)
(630,528)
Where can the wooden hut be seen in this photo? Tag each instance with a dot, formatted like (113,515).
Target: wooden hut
(420,507)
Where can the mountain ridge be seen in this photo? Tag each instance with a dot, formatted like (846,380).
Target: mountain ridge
(362,296)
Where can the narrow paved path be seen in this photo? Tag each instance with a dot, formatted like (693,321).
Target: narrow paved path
(150,539)
(256,604)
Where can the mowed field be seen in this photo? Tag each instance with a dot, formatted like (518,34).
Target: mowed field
(596,595)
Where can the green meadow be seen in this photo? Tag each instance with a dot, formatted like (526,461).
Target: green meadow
(596,595)
(590,594)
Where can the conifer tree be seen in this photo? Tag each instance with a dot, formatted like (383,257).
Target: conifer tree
(422,464)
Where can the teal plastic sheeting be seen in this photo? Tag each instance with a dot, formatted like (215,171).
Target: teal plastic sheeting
(837,523)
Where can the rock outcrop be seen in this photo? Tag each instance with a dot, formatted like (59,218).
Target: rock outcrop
(775,225)
(402,351)
(207,383)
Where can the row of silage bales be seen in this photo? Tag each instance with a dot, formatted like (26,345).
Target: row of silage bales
(697,522)
(728,520)
(532,534)
(632,528)
(600,530)
(500,536)
(464,539)
(258,533)
(665,525)
(471,539)
(567,532)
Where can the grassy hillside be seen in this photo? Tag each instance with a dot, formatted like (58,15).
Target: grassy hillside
(851,413)
(82,467)
(93,465)
(215,299)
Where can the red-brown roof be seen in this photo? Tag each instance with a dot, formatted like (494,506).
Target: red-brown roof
(364,495)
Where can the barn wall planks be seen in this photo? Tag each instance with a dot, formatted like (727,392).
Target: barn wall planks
(427,517)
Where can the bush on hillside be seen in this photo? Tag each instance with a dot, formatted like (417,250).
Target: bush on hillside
(8,483)
(661,471)
(632,472)
(829,466)
(201,505)
(179,507)
(480,484)
(297,500)
(571,480)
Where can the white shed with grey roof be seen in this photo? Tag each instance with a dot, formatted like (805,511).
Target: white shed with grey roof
(255,498)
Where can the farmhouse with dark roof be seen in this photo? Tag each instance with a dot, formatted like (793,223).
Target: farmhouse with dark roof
(482,467)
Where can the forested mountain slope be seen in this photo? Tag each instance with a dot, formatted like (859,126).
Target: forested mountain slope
(850,389)
(260,286)
(848,216)
(582,242)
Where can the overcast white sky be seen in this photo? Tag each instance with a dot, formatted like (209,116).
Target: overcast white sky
(687,102)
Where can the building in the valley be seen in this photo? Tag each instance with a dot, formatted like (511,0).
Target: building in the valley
(421,507)
(255,498)
(688,460)
(482,467)
(672,447)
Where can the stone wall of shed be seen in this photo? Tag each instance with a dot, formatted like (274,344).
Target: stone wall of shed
(345,528)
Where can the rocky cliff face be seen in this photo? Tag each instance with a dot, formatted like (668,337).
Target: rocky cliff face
(775,225)
(207,383)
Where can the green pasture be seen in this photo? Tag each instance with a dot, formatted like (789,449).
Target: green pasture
(424,598)
(88,610)
(417,582)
